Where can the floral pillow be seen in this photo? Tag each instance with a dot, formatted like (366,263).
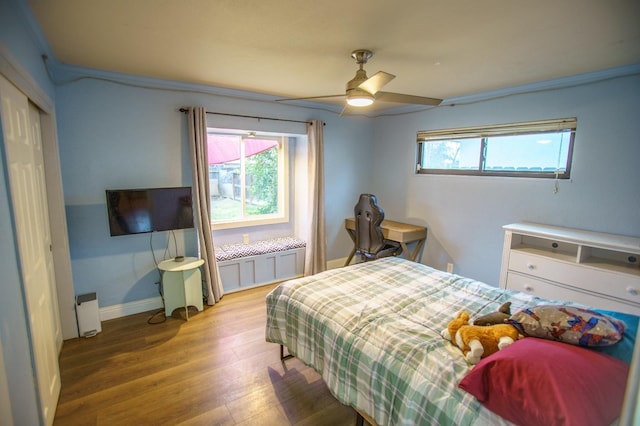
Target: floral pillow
(624,348)
(569,324)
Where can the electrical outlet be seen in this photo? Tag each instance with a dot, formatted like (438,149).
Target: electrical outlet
(245,238)
(450,268)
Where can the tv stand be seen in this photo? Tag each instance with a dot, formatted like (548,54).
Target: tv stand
(181,284)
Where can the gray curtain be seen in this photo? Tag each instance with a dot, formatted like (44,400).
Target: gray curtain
(316,253)
(197,122)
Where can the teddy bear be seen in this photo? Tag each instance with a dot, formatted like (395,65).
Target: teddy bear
(478,342)
(500,317)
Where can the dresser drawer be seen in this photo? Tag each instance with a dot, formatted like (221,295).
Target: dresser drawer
(540,288)
(549,290)
(581,276)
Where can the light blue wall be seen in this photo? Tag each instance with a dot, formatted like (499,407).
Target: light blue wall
(120,136)
(13,322)
(117,135)
(465,214)
(114,135)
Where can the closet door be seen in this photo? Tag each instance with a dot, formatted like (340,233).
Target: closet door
(35,136)
(25,166)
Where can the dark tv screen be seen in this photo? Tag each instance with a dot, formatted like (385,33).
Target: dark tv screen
(137,211)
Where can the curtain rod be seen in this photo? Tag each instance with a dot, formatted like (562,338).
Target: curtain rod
(253,116)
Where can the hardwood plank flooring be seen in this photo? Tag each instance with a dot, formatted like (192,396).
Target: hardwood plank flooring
(215,369)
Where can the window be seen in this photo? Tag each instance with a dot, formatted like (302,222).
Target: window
(247,178)
(534,149)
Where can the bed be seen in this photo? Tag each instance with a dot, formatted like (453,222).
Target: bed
(372,330)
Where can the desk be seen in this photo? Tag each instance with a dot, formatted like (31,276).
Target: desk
(181,284)
(402,233)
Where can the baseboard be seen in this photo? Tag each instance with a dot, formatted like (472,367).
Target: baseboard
(138,306)
(130,308)
(336,263)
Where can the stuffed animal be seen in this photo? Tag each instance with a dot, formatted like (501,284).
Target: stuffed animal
(478,342)
(500,317)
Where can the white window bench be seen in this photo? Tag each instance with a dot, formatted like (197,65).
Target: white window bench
(243,266)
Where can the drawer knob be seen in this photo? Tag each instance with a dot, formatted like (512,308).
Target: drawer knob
(528,288)
(531,266)
(632,291)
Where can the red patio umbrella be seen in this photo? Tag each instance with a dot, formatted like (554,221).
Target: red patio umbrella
(226,148)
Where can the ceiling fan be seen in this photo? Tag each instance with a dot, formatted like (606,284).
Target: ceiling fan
(362,90)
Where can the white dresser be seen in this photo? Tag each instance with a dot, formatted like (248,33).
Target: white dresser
(592,268)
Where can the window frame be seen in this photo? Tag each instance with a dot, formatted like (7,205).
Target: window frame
(484,133)
(284,172)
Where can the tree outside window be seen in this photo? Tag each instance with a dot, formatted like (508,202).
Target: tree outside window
(245,176)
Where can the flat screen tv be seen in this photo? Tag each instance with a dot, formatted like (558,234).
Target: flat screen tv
(137,211)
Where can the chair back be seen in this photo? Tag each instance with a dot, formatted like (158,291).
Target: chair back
(368,216)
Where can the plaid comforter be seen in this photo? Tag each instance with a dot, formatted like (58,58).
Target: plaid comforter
(372,330)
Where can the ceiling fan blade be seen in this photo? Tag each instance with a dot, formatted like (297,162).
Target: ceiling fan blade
(376,82)
(311,97)
(407,99)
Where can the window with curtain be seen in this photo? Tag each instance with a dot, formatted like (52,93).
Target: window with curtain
(248,178)
(533,149)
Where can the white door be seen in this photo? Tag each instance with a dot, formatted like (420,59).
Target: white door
(28,195)
(45,236)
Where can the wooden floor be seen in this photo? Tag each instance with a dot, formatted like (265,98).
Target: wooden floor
(215,369)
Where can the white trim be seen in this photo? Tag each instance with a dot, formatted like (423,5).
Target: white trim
(68,73)
(65,74)
(144,305)
(130,308)
(13,71)
(630,414)
(284,171)
(540,86)
(59,232)
(336,263)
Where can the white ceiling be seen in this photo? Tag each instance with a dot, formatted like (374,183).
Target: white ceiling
(295,48)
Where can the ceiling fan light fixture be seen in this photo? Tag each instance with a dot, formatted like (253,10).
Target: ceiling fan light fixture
(362,91)
(362,99)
